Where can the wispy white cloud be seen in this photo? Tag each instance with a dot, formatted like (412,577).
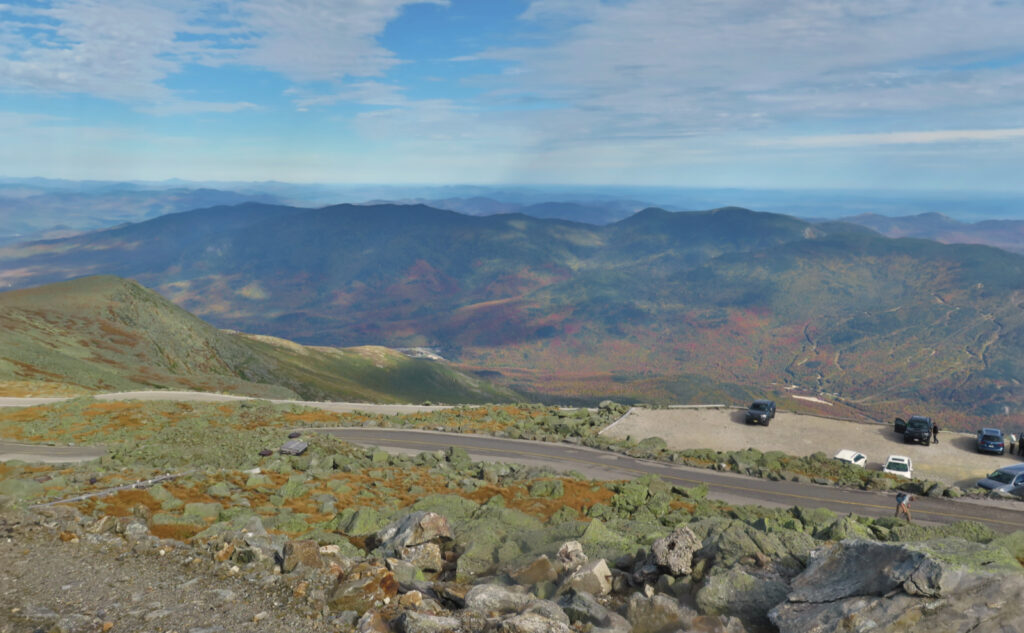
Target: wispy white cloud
(650,67)
(896,138)
(126,50)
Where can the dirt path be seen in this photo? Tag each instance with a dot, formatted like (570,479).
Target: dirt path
(953,460)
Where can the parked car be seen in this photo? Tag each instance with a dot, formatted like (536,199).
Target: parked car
(760,412)
(990,441)
(852,457)
(1009,480)
(918,429)
(899,465)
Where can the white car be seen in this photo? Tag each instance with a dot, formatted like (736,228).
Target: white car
(852,457)
(899,465)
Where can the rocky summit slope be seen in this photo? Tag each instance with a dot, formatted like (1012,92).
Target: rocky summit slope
(68,573)
(236,536)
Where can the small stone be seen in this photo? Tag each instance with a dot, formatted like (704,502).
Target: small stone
(411,599)
(262,615)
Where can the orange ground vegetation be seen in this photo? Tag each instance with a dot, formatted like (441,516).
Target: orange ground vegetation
(360,490)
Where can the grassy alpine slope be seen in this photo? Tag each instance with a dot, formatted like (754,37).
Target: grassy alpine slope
(109,334)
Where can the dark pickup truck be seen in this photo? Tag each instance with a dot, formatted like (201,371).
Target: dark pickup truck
(917,429)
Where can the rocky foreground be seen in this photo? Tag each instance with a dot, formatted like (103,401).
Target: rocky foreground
(65,572)
(235,537)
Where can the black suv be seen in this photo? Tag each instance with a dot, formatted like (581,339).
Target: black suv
(760,412)
(918,429)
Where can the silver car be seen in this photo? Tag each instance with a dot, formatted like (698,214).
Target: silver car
(1009,479)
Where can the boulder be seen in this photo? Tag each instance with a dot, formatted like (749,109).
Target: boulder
(656,614)
(571,555)
(528,623)
(740,594)
(295,553)
(540,570)
(594,578)
(673,554)
(415,622)
(414,529)
(365,586)
(497,599)
(582,607)
(938,586)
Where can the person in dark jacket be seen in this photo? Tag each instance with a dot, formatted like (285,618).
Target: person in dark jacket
(935,433)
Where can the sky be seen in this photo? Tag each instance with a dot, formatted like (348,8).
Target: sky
(865,94)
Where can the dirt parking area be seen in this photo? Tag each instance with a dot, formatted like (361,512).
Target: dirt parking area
(953,460)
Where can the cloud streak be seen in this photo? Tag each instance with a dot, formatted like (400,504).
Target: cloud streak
(898,138)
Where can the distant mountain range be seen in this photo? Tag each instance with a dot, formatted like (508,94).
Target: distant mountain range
(109,334)
(1005,234)
(661,306)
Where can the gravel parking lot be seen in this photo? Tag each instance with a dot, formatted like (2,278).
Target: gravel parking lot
(953,460)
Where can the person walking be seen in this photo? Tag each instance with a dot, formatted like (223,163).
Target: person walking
(935,433)
(903,500)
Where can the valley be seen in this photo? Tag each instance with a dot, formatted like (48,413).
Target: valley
(662,307)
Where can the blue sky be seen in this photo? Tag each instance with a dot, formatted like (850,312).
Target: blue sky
(871,94)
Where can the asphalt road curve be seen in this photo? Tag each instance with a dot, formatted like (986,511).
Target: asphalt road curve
(49,454)
(1002,516)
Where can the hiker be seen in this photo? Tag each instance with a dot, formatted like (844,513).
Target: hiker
(935,433)
(903,500)
(1013,443)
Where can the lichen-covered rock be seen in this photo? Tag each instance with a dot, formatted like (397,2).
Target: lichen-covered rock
(548,488)
(731,542)
(843,528)
(740,594)
(527,623)
(938,586)
(360,521)
(305,552)
(417,538)
(497,599)
(674,553)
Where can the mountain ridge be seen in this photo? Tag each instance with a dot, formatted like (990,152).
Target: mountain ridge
(651,308)
(105,333)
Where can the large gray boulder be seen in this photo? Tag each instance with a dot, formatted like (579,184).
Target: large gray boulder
(942,586)
(498,599)
(417,538)
(673,554)
(738,593)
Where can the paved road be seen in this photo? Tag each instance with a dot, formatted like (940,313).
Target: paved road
(729,487)
(49,454)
